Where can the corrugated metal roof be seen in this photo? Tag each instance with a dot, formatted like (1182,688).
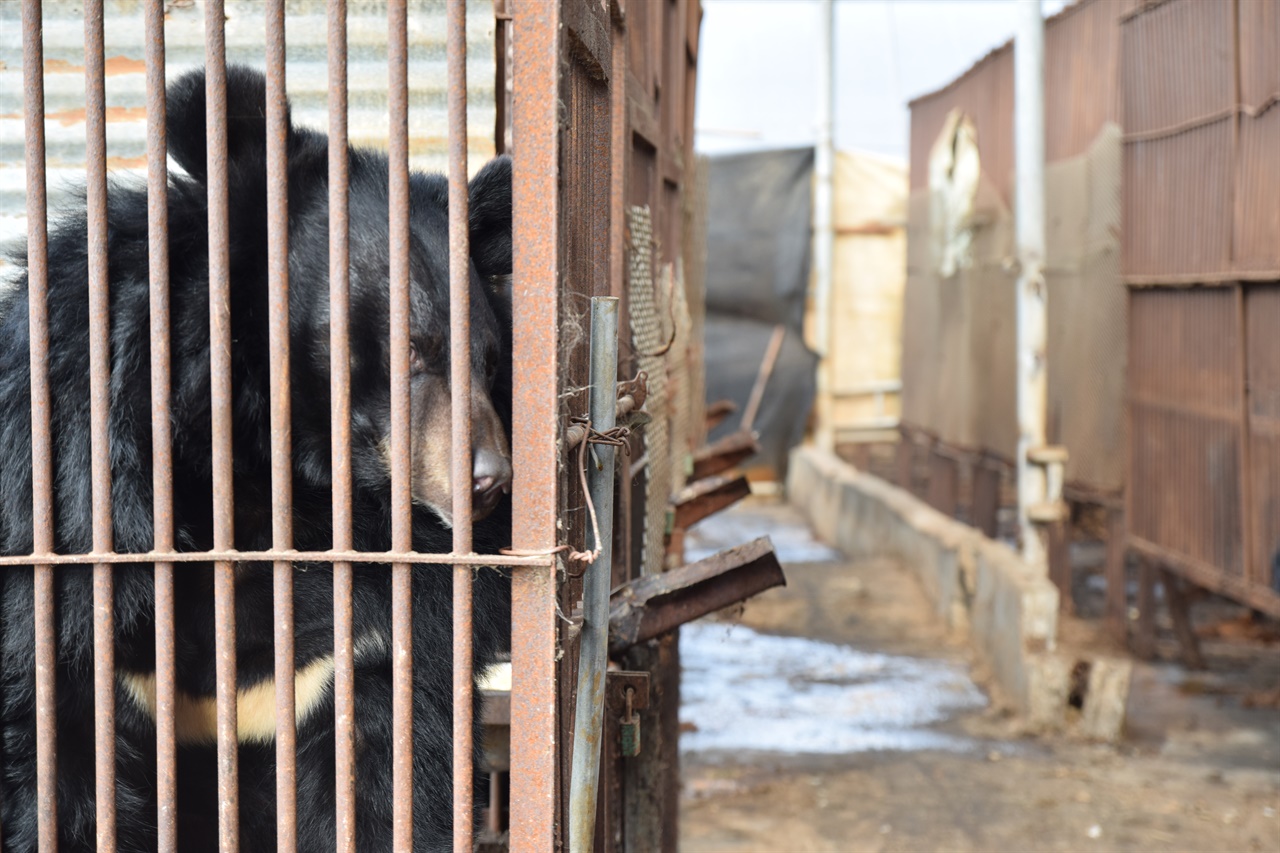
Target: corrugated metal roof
(184,38)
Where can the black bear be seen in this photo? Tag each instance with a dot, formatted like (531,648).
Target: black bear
(130,434)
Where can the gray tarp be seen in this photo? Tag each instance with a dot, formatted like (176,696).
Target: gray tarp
(758,245)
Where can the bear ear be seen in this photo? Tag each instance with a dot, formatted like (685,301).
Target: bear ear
(246,120)
(489,198)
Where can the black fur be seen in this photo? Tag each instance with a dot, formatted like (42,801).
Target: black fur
(130,427)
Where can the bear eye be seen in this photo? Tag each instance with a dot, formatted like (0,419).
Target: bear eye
(416,365)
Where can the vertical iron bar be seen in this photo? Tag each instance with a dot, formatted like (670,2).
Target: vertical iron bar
(41,441)
(460,394)
(220,383)
(161,439)
(593,656)
(104,701)
(401,521)
(340,417)
(536,291)
(281,433)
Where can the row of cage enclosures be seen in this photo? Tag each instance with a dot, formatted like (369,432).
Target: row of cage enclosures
(533,432)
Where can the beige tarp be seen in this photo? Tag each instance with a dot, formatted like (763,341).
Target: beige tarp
(869,276)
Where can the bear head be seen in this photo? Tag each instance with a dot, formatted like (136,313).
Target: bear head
(489,199)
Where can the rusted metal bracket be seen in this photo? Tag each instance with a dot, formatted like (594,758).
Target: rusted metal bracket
(616,683)
(724,454)
(652,605)
(707,497)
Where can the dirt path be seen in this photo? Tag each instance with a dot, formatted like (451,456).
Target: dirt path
(1201,773)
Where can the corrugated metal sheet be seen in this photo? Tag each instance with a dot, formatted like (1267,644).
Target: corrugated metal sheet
(1262,313)
(1257,213)
(1201,88)
(1185,410)
(184,42)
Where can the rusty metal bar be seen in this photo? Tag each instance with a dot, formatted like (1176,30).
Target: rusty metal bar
(655,604)
(460,395)
(401,519)
(281,432)
(707,497)
(161,439)
(161,443)
(724,454)
(344,702)
(232,555)
(536,292)
(104,675)
(220,382)
(41,440)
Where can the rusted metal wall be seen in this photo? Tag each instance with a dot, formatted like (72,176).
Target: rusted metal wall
(958,330)
(1201,256)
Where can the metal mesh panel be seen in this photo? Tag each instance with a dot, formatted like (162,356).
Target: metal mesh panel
(648,338)
(678,375)
(1087,315)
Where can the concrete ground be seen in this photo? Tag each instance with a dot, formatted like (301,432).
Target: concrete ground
(877,741)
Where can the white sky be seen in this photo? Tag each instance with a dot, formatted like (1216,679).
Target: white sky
(758,67)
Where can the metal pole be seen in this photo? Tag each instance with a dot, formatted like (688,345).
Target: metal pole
(593,657)
(1032,316)
(824,220)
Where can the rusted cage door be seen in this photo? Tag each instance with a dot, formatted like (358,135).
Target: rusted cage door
(546,232)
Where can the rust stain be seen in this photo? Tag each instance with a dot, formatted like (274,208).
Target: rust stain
(56,66)
(67,118)
(124,65)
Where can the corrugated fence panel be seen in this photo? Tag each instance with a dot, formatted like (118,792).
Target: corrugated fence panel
(184,37)
(1257,213)
(1263,319)
(985,94)
(1185,410)
(1178,78)
(1082,63)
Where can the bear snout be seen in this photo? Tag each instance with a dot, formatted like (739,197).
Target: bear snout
(490,480)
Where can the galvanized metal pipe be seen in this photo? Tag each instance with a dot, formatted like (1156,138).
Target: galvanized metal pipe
(593,655)
(344,707)
(460,423)
(824,235)
(1032,294)
(46,657)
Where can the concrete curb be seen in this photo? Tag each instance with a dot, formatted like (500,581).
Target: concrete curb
(978,586)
